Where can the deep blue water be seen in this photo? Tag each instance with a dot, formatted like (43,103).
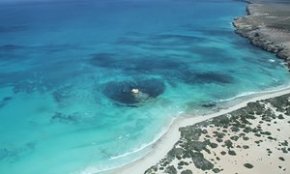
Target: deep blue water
(67,70)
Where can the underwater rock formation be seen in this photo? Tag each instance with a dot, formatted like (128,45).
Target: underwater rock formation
(4,101)
(63,118)
(125,92)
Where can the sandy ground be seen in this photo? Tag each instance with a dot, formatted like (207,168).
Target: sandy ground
(264,154)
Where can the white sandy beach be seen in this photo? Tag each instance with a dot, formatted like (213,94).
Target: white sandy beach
(162,146)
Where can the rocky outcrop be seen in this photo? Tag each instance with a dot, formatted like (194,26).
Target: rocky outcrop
(267,26)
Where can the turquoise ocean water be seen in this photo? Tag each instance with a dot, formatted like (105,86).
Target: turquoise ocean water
(67,69)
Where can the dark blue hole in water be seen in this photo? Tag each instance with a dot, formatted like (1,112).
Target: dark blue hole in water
(121,92)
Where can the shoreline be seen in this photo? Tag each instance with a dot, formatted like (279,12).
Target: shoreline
(161,147)
(223,108)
